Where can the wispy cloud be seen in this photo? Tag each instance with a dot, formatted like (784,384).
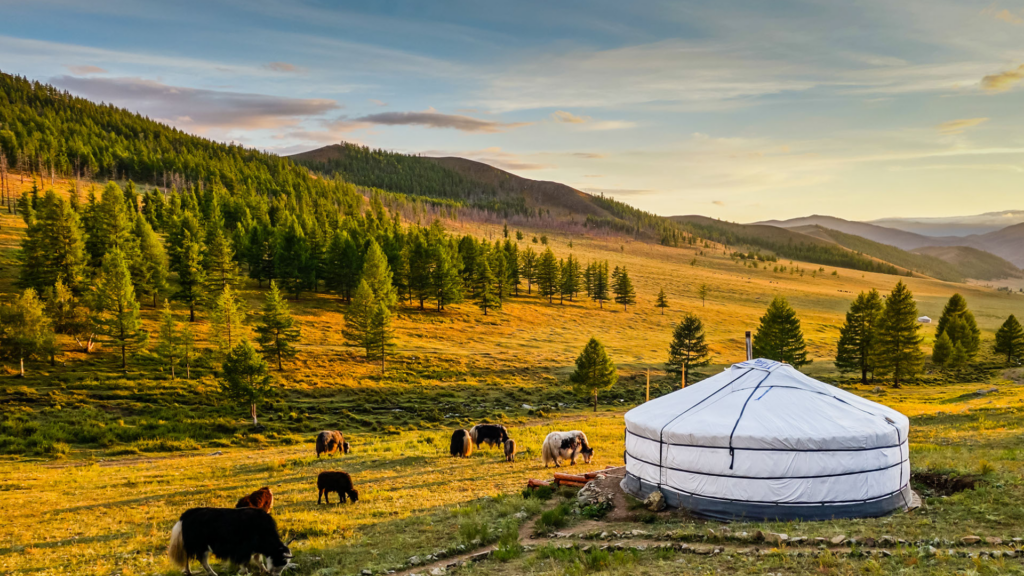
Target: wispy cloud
(1003,80)
(959,126)
(86,70)
(284,67)
(198,109)
(434,119)
(377,102)
(1005,15)
(588,155)
(568,117)
(718,203)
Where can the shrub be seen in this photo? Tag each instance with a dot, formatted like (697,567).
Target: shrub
(557,517)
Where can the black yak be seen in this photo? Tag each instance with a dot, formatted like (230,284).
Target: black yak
(234,534)
(462,444)
(331,441)
(262,499)
(560,445)
(490,434)
(335,481)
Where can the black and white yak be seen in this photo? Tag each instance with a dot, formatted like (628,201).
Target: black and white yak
(561,445)
(490,434)
(233,534)
(462,444)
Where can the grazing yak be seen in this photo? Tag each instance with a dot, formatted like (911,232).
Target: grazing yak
(462,444)
(262,499)
(490,434)
(560,445)
(234,534)
(510,450)
(335,481)
(331,441)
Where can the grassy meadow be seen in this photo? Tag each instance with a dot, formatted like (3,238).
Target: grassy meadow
(97,462)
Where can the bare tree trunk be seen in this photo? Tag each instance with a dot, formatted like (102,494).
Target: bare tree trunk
(22,359)
(252,410)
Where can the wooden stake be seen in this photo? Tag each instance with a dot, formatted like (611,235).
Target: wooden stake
(682,372)
(648,385)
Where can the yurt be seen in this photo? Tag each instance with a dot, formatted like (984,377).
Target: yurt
(761,441)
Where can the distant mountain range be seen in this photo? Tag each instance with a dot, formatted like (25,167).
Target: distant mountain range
(1006,242)
(956,225)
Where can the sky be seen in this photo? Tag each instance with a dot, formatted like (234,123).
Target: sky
(739,110)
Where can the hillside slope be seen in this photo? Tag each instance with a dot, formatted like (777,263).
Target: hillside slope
(784,242)
(973,263)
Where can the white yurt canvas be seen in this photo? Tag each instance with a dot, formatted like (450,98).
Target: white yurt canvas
(763,441)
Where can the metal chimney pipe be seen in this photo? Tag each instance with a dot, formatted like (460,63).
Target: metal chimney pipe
(750,347)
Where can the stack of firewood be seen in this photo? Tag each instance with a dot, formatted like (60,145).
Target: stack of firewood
(561,479)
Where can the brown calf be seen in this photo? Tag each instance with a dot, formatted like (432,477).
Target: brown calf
(262,499)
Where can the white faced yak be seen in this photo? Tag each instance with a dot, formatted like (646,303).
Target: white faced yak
(234,534)
(490,434)
(462,444)
(561,445)
(329,442)
(335,481)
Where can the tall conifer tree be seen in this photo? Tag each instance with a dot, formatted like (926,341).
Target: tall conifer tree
(116,309)
(899,343)
(779,336)
(277,330)
(1010,340)
(594,372)
(858,336)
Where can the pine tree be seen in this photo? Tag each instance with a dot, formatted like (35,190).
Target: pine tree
(219,261)
(378,276)
(188,348)
(662,301)
(623,288)
(380,336)
(512,262)
(548,275)
(899,343)
(109,225)
(29,332)
(246,377)
(498,263)
(688,347)
(600,284)
(358,316)
(169,338)
(290,253)
(942,349)
(53,247)
(958,359)
(115,307)
(343,265)
(1010,340)
(69,316)
(594,372)
(857,337)
(191,274)
(227,320)
(445,280)
(779,336)
(528,268)
(277,331)
(485,287)
(703,291)
(571,277)
(149,271)
(966,331)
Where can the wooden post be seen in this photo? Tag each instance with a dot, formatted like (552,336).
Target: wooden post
(648,385)
(750,347)
(682,371)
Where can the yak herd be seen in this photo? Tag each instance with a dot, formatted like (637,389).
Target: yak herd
(248,530)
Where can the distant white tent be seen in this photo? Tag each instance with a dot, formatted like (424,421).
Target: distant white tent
(763,441)
(924,320)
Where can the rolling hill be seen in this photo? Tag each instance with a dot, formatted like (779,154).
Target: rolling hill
(1006,243)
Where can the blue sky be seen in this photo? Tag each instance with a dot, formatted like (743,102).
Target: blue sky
(737,110)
